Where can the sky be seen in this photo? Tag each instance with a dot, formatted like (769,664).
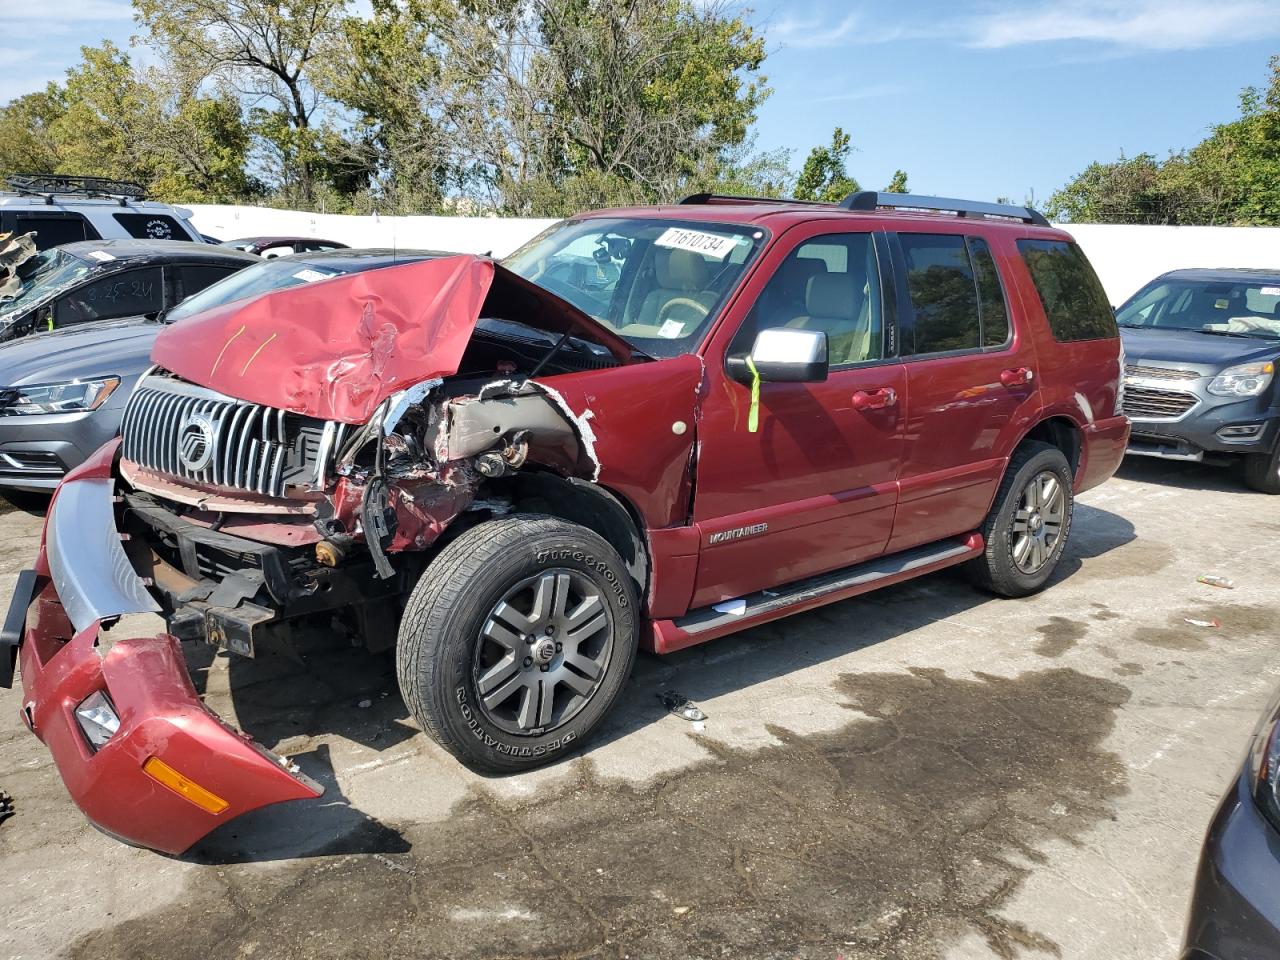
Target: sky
(973,99)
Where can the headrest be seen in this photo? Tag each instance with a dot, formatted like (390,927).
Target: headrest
(680,270)
(831,295)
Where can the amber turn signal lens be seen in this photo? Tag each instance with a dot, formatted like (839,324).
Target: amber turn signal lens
(166,776)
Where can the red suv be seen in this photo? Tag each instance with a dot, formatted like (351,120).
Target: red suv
(646,428)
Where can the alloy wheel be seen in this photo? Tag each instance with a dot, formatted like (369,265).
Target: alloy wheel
(543,651)
(1037,523)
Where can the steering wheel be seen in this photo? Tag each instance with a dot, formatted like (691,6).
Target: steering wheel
(680,302)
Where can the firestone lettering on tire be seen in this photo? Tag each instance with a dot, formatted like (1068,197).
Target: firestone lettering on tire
(511,750)
(578,556)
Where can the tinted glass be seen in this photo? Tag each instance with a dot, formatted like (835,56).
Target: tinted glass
(1248,307)
(941,287)
(1073,298)
(831,284)
(55,231)
(194,278)
(259,278)
(991,303)
(151,226)
(130,293)
(657,283)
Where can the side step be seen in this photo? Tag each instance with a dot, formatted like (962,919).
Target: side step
(707,623)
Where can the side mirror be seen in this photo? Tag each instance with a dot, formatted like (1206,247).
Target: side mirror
(785,355)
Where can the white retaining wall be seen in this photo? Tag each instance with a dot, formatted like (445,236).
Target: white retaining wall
(1125,257)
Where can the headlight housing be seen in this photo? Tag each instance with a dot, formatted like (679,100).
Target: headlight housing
(1245,380)
(1264,767)
(72,396)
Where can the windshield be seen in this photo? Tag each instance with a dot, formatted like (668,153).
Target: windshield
(259,278)
(42,277)
(1249,308)
(657,283)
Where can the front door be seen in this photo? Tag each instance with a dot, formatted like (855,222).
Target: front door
(815,486)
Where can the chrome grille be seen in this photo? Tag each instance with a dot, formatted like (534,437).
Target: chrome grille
(1152,403)
(254,447)
(1159,373)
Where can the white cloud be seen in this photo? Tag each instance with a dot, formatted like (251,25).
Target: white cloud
(873,92)
(66,11)
(1147,24)
(815,32)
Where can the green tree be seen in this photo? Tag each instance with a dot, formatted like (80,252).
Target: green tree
(898,184)
(26,140)
(1233,176)
(267,51)
(825,175)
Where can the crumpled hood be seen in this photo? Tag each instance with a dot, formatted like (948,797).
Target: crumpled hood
(105,348)
(335,349)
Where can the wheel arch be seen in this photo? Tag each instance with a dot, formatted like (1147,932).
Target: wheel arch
(588,504)
(1062,432)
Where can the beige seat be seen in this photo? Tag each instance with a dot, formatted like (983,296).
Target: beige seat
(838,307)
(680,275)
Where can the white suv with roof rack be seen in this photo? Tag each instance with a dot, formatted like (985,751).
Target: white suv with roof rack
(63,209)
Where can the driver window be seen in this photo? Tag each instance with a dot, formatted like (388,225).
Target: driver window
(829,283)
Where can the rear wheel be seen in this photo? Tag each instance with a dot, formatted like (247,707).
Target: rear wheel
(517,640)
(1027,528)
(1262,470)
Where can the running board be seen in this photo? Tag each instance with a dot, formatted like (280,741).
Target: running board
(707,623)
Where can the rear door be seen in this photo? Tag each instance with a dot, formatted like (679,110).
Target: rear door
(971,381)
(814,487)
(124,293)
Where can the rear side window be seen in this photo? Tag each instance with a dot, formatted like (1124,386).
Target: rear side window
(991,303)
(151,226)
(1074,301)
(943,293)
(194,279)
(53,231)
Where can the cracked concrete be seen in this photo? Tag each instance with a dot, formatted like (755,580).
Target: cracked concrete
(921,773)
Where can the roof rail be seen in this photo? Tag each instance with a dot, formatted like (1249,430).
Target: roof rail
(700,198)
(871,200)
(50,185)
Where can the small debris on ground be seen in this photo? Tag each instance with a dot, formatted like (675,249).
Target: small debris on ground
(1216,581)
(680,705)
(365,704)
(1213,622)
(680,911)
(6,806)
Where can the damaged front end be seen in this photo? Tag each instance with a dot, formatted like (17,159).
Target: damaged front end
(138,751)
(273,475)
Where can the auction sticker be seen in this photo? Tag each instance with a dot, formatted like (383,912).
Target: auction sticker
(101,255)
(707,244)
(311,276)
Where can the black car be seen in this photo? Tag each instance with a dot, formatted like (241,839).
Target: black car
(1201,349)
(1235,912)
(107,279)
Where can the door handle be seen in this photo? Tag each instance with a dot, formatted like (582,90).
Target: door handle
(875,399)
(1017,376)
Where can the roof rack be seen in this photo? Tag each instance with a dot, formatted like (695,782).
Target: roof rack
(50,185)
(700,198)
(871,200)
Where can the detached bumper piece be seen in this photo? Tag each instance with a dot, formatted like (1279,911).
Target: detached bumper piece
(145,760)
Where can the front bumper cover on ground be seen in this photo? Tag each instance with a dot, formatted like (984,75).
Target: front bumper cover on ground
(83,578)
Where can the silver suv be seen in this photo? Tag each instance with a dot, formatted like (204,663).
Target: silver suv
(63,209)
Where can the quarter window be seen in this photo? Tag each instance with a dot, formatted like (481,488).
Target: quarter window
(832,284)
(54,231)
(151,226)
(992,309)
(1074,301)
(943,293)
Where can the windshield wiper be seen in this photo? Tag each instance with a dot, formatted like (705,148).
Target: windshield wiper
(1131,326)
(1259,335)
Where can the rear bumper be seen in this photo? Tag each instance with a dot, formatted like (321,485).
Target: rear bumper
(1102,448)
(1235,913)
(83,578)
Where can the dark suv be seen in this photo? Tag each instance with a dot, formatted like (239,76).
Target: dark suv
(1201,348)
(647,428)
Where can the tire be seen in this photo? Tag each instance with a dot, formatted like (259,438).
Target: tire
(464,631)
(1000,569)
(1262,471)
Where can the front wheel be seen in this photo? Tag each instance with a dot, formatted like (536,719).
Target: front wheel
(1027,528)
(1262,471)
(517,640)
